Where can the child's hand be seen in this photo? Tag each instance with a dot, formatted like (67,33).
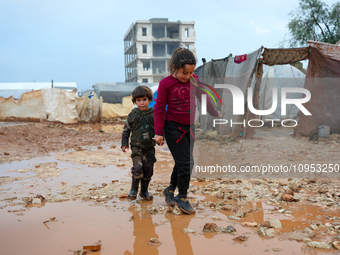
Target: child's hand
(124,148)
(159,139)
(218,116)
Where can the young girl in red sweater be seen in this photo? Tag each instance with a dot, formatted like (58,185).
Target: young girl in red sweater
(178,91)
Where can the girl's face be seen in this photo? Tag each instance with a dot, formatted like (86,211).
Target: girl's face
(183,74)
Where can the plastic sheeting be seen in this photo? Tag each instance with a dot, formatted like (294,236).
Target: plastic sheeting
(239,75)
(118,110)
(53,105)
(113,92)
(323,82)
(280,76)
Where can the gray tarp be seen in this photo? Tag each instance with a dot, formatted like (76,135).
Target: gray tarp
(113,92)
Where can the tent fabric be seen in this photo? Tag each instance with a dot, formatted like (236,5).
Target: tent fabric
(51,104)
(88,109)
(211,73)
(323,82)
(280,76)
(113,92)
(331,51)
(284,56)
(30,104)
(60,105)
(239,75)
(118,110)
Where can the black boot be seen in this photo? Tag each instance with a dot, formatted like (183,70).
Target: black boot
(169,195)
(134,189)
(182,202)
(144,193)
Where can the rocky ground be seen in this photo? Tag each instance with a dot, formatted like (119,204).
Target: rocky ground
(302,210)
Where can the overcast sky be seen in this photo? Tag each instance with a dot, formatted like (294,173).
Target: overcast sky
(82,41)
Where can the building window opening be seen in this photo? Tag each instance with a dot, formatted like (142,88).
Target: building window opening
(144,31)
(144,80)
(144,48)
(146,65)
(187,47)
(187,32)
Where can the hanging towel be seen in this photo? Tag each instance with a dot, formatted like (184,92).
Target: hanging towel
(240,58)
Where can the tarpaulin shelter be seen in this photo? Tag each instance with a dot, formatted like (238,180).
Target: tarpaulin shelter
(323,82)
(51,105)
(211,73)
(117,97)
(280,76)
(248,70)
(113,92)
(230,70)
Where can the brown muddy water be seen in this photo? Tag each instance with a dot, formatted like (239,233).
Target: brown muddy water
(74,215)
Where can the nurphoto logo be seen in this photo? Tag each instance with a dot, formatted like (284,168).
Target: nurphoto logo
(238,105)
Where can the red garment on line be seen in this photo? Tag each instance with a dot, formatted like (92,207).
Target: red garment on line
(240,58)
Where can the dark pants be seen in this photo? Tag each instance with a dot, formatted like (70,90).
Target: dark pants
(181,144)
(143,161)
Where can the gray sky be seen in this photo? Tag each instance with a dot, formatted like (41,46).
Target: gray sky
(82,41)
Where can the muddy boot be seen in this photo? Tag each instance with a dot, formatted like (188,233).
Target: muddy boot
(183,203)
(144,193)
(134,189)
(169,195)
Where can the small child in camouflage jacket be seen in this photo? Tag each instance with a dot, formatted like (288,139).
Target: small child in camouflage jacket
(140,124)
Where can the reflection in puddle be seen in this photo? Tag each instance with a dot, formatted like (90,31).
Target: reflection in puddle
(126,227)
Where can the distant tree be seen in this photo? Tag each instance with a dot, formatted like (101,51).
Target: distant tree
(314,20)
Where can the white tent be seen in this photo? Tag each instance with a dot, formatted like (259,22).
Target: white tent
(280,76)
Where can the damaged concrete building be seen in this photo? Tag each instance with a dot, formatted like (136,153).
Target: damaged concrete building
(149,44)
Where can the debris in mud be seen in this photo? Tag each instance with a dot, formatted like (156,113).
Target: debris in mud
(210,227)
(80,252)
(264,231)
(240,238)
(274,224)
(320,245)
(232,217)
(336,244)
(229,229)
(38,199)
(94,247)
(154,242)
(176,211)
(188,230)
(287,197)
(249,224)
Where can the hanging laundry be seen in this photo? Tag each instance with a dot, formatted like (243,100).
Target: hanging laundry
(240,58)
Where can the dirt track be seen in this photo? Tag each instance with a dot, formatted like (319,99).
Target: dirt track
(84,178)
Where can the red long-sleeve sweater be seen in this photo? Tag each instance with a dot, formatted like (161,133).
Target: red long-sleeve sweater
(180,98)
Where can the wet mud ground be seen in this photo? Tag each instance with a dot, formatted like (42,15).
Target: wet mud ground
(64,186)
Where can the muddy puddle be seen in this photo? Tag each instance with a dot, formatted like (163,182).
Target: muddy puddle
(84,201)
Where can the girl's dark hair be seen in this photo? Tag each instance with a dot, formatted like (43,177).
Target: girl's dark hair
(141,91)
(180,58)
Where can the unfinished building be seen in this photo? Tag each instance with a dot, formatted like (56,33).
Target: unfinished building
(149,44)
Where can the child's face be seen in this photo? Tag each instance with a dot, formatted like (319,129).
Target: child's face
(184,74)
(142,103)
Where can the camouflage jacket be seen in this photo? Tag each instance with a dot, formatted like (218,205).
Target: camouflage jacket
(141,126)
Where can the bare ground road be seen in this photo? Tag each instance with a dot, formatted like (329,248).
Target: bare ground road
(63,187)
